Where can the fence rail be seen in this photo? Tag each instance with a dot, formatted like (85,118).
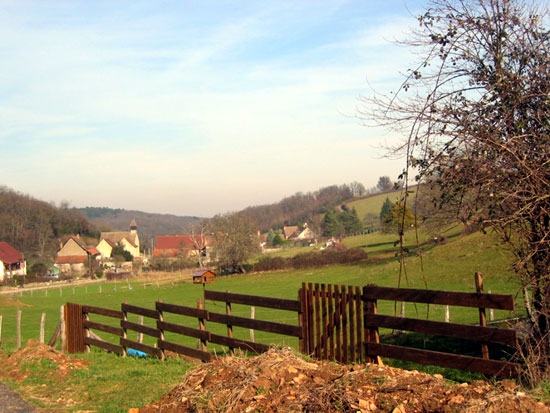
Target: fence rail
(335,322)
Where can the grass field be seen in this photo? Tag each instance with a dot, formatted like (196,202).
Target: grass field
(450,266)
(373,204)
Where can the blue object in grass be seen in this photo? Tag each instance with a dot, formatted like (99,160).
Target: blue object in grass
(137,353)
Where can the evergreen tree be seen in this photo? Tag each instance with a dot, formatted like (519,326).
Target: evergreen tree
(386,215)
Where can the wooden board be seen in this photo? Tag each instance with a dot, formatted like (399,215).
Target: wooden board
(181,310)
(492,367)
(235,343)
(115,348)
(269,326)
(186,351)
(183,330)
(103,311)
(268,302)
(118,331)
(476,300)
(486,334)
(146,312)
(150,331)
(124,342)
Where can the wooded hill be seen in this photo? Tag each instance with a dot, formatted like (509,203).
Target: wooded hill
(35,227)
(300,207)
(149,224)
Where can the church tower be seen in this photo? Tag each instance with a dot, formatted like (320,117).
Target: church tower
(133,227)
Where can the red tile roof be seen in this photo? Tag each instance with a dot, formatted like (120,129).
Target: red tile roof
(71,259)
(180,241)
(8,254)
(92,251)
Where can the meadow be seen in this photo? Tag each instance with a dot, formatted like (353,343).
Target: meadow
(110,381)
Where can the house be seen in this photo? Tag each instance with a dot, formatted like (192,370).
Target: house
(180,245)
(12,262)
(306,235)
(73,255)
(129,240)
(289,232)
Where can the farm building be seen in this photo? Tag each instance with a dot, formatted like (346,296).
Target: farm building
(12,262)
(180,246)
(73,255)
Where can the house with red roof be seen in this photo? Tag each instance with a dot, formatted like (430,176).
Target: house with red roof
(12,262)
(172,246)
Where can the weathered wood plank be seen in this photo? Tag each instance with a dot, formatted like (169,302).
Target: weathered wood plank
(150,331)
(464,331)
(124,342)
(103,327)
(102,311)
(475,300)
(269,326)
(115,348)
(181,310)
(184,350)
(183,330)
(147,312)
(268,302)
(492,367)
(317,322)
(235,343)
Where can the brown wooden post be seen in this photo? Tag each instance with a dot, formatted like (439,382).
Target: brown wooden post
(229,327)
(344,312)
(337,323)
(302,319)
(252,317)
(161,334)
(317,323)
(482,317)
(351,324)
(124,332)
(331,321)
(324,345)
(202,325)
(371,333)
(0,328)
(311,325)
(358,325)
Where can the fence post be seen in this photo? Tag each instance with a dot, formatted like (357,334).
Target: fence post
(86,331)
(482,317)
(202,325)
(302,319)
(447,314)
(491,311)
(317,322)
(140,335)
(63,328)
(324,338)
(161,332)
(331,321)
(358,326)
(124,332)
(0,328)
(19,329)
(311,326)
(42,324)
(371,333)
(252,316)
(229,326)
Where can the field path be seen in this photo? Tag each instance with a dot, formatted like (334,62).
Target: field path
(11,402)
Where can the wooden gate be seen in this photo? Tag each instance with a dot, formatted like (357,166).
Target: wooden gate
(74,327)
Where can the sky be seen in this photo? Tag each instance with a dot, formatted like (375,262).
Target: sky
(195,107)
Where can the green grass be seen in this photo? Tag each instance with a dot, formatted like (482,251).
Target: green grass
(373,204)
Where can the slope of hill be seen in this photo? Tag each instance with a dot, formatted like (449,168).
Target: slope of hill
(149,224)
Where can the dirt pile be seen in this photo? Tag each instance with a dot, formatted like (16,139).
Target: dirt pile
(280,381)
(38,358)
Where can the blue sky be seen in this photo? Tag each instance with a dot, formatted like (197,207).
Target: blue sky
(194,108)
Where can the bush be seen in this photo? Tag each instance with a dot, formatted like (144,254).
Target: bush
(312,259)
(39,269)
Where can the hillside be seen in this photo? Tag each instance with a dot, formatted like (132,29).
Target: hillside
(149,224)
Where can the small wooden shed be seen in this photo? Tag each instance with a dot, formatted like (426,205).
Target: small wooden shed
(204,277)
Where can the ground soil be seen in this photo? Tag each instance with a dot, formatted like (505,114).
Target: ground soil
(281,381)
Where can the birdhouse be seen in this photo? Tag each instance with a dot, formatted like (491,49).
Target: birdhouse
(204,277)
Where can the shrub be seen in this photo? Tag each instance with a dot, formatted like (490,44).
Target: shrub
(312,259)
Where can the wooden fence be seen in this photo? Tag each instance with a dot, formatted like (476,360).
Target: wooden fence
(342,324)
(334,322)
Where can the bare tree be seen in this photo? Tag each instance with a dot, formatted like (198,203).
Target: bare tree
(476,110)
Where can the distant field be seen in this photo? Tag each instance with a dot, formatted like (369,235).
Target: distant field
(373,204)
